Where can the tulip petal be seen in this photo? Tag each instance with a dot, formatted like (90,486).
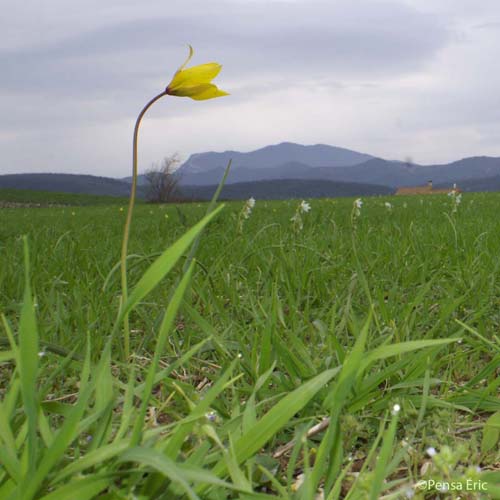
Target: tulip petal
(198,92)
(191,52)
(210,92)
(195,82)
(204,73)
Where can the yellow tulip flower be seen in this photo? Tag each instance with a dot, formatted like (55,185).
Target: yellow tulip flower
(195,82)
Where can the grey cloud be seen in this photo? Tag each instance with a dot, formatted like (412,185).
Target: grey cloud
(120,52)
(370,39)
(101,74)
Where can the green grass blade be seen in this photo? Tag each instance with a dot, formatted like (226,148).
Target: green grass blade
(28,364)
(387,351)
(210,209)
(81,489)
(65,436)
(163,265)
(92,459)
(165,328)
(160,463)
(276,418)
(383,459)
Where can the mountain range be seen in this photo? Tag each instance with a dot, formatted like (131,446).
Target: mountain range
(285,170)
(322,162)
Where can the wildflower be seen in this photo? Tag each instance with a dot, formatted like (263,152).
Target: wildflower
(356,208)
(192,82)
(396,409)
(211,416)
(304,207)
(245,212)
(247,209)
(456,199)
(388,206)
(431,451)
(195,82)
(41,354)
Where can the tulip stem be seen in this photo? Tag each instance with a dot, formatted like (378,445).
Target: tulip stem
(128,222)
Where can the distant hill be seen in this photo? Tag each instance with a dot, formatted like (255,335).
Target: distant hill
(374,171)
(66,183)
(29,197)
(272,156)
(481,185)
(316,164)
(285,189)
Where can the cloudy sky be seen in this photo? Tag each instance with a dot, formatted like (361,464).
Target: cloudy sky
(399,79)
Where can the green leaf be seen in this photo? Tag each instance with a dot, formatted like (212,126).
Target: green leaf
(163,265)
(7,356)
(91,459)
(387,351)
(28,363)
(491,432)
(165,328)
(276,418)
(65,436)
(160,463)
(82,489)
(180,473)
(384,456)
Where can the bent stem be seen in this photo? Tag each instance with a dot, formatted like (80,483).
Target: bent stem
(128,222)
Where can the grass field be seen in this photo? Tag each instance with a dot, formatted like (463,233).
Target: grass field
(382,328)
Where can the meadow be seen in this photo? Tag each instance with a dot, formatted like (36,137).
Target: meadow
(353,355)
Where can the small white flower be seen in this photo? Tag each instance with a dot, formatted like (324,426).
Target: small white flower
(431,451)
(304,207)
(396,409)
(388,205)
(356,208)
(41,354)
(211,416)
(245,213)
